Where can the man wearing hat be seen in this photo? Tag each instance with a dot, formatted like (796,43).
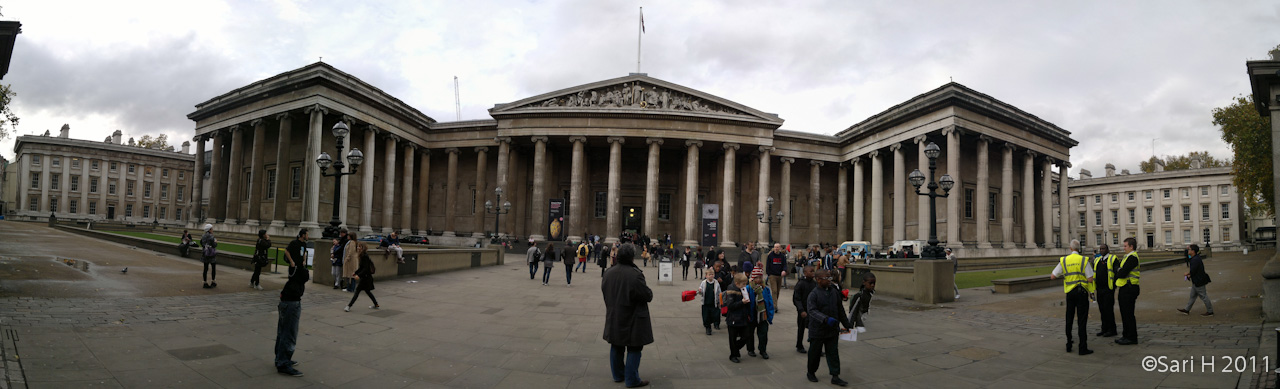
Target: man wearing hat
(762,310)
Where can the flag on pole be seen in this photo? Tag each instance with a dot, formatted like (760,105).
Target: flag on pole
(641,20)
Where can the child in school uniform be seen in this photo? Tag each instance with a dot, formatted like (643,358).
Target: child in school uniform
(860,302)
(709,289)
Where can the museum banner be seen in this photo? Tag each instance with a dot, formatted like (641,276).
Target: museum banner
(555,220)
(710,224)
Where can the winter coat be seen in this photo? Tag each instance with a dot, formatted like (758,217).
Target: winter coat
(768,303)
(568,256)
(365,271)
(531,256)
(260,252)
(800,296)
(859,304)
(739,312)
(626,301)
(350,261)
(1198,276)
(549,257)
(602,257)
(702,288)
(826,303)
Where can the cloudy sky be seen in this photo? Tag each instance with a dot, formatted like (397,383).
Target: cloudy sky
(1115,75)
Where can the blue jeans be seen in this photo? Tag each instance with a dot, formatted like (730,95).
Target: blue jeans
(546,274)
(287,331)
(533,269)
(630,372)
(582,264)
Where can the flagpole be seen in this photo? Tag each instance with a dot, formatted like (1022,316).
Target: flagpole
(639,37)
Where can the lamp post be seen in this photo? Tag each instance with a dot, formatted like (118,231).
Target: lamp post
(933,251)
(497,211)
(772,218)
(355,157)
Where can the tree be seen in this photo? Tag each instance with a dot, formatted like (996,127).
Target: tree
(1183,162)
(1249,136)
(159,143)
(9,121)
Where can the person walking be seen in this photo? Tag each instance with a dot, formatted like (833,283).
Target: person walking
(534,257)
(1104,281)
(826,315)
(709,289)
(364,277)
(1127,291)
(549,257)
(350,260)
(723,275)
(762,310)
(290,309)
(1077,282)
(603,258)
(626,321)
(568,258)
(776,268)
(738,317)
(800,299)
(209,256)
(584,250)
(1198,278)
(259,258)
(684,264)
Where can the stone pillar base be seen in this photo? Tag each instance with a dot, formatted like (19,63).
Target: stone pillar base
(535,237)
(309,225)
(954,245)
(449,234)
(728,243)
(477,235)
(406,231)
(572,238)
(611,240)
(251,222)
(386,230)
(277,223)
(230,221)
(1009,245)
(366,230)
(688,243)
(1031,246)
(985,245)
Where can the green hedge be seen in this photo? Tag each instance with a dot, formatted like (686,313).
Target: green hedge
(230,247)
(973,279)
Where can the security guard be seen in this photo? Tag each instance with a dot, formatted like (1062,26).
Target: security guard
(1104,271)
(1126,279)
(1077,282)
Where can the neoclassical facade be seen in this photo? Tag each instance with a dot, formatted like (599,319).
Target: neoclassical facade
(100,180)
(634,153)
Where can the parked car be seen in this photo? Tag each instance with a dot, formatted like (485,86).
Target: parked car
(415,239)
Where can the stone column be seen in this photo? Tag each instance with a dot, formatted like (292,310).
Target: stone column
(877,200)
(84,188)
(311,198)
(1006,195)
(217,191)
(406,190)
(692,231)
(1064,221)
(389,183)
(842,203)
(981,194)
(651,186)
(577,225)
(65,187)
(256,169)
(367,172)
(858,203)
(954,201)
(424,189)
(504,167)
(24,185)
(900,192)
(1046,201)
(122,188)
(614,226)
(1028,200)
(173,193)
(815,208)
(762,231)
(103,182)
(728,210)
(482,191)
(539,167)
(922,203)
(784,201)
(281,211)
(451,192)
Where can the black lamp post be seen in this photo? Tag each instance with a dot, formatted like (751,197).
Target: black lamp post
(933,251)
(355,157)
(497,211)
(772,218)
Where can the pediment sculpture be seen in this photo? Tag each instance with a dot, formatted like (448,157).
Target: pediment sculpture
(635,95)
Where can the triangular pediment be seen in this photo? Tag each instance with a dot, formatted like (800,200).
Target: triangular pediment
(636,93)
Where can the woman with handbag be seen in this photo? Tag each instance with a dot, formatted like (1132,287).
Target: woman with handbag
(209,256)
(259,258)
(363,275)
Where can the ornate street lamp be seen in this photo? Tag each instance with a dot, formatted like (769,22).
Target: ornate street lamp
(771,219)
(355,157)
(497,211)
(933,251)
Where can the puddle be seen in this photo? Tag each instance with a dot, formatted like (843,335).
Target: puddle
(76,264)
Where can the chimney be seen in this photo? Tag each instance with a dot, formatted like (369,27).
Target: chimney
(115,137)
(186,147)
(1111,170)
(1124,172)
(1085,174)
(1196,163)
(65,132)
(1159,165)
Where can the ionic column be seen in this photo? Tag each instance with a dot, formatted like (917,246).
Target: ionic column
(424,189)
(922,203)
(981,193)
(784,202)
(954,202)
(858,205)
(899,192)
(762,230)
(311,199)
(233,175)
(481,190)
(877,199)
(651,186)
(389,183)
(367,172)
(256,169)
(1046,201)
(815,172)
(1006,195)
(1028,200)
(281,205)
(1064,233)
(217,191)
(577,196)
(614,226)
(451,192)
(728,211)
(504,167)
(842,202)
(538,219)
(406,190)
(691,229)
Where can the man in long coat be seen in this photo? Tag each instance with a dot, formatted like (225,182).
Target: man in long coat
(626,321)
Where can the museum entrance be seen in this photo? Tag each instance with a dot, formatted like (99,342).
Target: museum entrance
(1151,240)
(633,219)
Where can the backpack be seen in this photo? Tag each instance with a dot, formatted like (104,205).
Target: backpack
(537,255)
(209,250)
(582,250)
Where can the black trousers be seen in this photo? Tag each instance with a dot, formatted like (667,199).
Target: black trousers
(761,331)
(827,345)
(710,316)
(1078,310)
(356,295)
(801,324)
(257,274)
(1107,309)
(738,336)
(1127,296)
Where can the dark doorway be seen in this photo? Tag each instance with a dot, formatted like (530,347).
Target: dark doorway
(111,212)
(633,219)
(1151,240)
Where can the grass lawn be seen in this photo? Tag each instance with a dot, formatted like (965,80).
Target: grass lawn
(975,279)
(235,248)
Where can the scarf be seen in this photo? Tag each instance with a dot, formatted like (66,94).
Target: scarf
(760,308)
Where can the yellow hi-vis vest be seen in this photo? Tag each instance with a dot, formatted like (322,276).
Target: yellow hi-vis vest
(1073,273)
(1108,261)
(1132,279)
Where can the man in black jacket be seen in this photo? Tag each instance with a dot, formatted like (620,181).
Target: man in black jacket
(826,315)
(1103,268)
(290,314)
(776,267)
(1199,279)
(800,298)
(626,321)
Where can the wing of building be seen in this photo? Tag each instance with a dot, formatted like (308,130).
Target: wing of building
(634,153)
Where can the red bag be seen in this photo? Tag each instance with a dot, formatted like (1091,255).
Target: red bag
(846,294)
(688,295)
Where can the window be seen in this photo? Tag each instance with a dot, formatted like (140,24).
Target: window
(1081,201)
(93,208)
(1186,213)
(93,165)
(1168,214)
(1082,222)
(991,206)
(1226,211)
(162,213)
(35,180)
(473,201)
(129,188)
(181,176)
(1147,193)
(1204,191)
(1115,217)
(664,206)
(1226,234)
(568,195)
(164,172)
(75,205)
(1115,239)
(54,181)
(114,166)
(164,191)
(1186,193)
(93,184)
(36,160)
(1097,238)
(53,204)
(601,199)
(1097,218)
(271,184)
(1204,212)
(1223,191)
(1149,215)
(146,211)
(128,210)
(133,168)
(75,183)
(111,188)
(1166,193)
(1168,237)
(1131,214)
(968,203)
(35,204)
(181,190)
(177,214)
(1186,236)
(295,186)
(1115,197)
(57,161)
(1206,235)
(75,164)
(1097,199)
(1131,197)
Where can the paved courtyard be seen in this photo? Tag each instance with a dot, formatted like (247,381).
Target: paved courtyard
(493,327)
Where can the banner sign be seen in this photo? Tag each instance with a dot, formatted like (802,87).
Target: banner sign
(710,224)
(555,220)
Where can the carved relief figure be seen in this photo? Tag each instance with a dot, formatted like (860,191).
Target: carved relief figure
(637,95)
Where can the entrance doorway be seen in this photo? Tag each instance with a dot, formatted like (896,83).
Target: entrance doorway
(633,219)
(1151,240)
(111,212)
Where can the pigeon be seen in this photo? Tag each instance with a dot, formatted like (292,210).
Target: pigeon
(126,270)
